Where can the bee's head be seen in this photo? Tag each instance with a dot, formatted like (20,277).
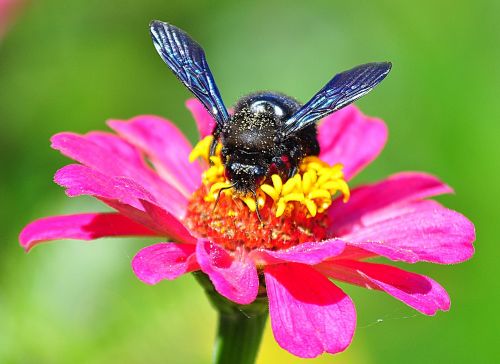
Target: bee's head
(245,177)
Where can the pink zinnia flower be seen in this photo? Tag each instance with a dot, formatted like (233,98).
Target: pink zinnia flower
(295,258)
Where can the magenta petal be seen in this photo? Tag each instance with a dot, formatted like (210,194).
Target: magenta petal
(104,152)
(309,314)
(165,222)
(165,146)
(351,252)
(82,227)
(164,261)
(204,121)
(397,189)
(417,291)
(233,277)
(307,253)
(125,196)
(351,138)
(82,180)
(114,157)
(418,231)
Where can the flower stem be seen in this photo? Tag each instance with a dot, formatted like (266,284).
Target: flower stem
(238,339)
(240,326)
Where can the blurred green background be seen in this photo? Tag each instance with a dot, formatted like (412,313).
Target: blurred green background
(70,65)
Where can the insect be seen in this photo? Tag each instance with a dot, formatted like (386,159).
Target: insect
(268,132)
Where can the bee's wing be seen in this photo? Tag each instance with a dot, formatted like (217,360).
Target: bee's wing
(343,89)
(187,60)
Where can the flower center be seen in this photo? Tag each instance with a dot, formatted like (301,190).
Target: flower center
(291,211)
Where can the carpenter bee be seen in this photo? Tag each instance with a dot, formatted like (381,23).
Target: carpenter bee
(268,132)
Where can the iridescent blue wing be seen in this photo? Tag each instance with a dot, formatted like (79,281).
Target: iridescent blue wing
(343,89)
(187,60)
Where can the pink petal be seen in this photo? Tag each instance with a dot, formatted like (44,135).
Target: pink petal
(351,138)
(417,291)
(307,253)
(114,157)
(82,180)
(82,227)
(418,231)
(165,146)
(351,252)
(164,261)
(123,195)
(397,189)
(204,121)
(234,277)
(309,314)
(167,223)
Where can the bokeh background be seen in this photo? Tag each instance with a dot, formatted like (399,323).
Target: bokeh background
(70,65)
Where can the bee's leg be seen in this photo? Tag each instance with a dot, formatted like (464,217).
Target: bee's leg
(292,171)
(281,166)
(295,155)
(213,147)
(218,196)
(215,142)
(257,207)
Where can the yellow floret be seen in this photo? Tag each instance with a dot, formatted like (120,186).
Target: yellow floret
(201,150)
(313,187)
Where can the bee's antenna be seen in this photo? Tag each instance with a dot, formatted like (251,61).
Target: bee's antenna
(257,206)
(218,195)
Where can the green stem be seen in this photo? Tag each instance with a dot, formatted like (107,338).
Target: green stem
(240,326)
(238,339)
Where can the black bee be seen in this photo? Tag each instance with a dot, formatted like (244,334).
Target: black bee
(268,132)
